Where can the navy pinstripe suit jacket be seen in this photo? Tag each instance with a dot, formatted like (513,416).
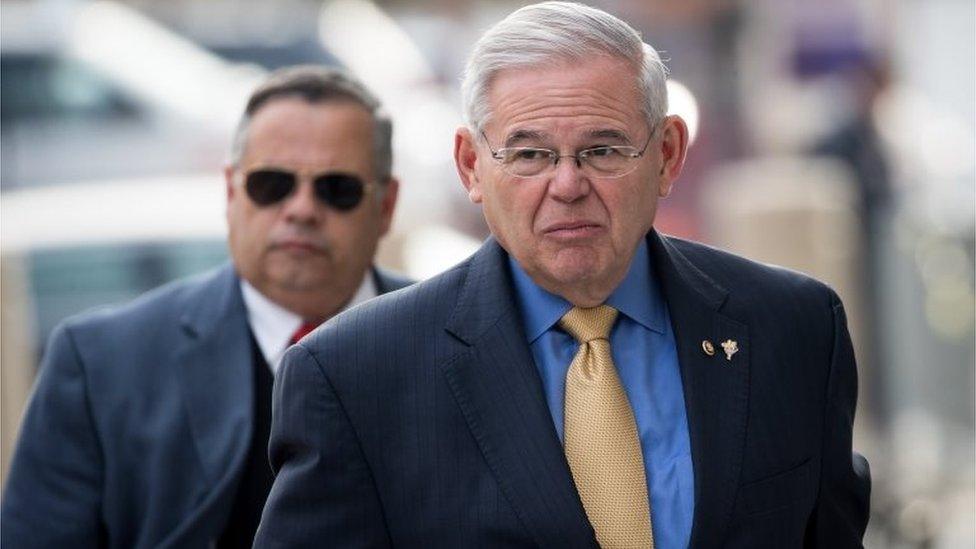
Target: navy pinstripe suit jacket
(419,420)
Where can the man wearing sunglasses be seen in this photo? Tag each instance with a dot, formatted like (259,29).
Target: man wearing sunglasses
(581,380)
(149,423)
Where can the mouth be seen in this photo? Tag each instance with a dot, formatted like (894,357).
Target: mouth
(573,230)
(299,247)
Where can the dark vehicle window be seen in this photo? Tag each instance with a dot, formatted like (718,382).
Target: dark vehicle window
(36,86)
(67,281)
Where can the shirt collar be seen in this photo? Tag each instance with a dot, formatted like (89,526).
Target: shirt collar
(637,297)
(273,325)
(367,290)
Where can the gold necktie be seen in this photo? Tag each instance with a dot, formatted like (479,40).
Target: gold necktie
(602,445)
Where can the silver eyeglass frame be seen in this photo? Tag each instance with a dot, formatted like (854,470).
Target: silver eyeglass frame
(580,157)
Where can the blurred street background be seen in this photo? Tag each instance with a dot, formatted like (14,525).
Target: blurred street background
(835,137)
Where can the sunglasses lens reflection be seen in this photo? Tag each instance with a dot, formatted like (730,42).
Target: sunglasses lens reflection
(266,187)
(339,190)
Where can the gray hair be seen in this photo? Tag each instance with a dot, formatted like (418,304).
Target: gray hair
(540,33)
(317,84)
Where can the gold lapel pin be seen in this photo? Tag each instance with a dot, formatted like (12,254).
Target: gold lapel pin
(730,346)
(708,347)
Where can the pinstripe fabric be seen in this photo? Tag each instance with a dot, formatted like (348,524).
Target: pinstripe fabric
(418,419)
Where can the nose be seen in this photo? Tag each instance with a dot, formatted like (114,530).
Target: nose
(568,182)
(301,206)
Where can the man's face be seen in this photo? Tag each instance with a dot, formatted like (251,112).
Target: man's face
(303,254)
(574,234)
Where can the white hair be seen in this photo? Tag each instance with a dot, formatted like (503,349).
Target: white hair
(539,34)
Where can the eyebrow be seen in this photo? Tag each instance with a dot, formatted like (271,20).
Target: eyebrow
(608,133)
(520,136)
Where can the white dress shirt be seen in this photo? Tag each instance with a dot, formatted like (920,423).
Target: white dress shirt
(273,325)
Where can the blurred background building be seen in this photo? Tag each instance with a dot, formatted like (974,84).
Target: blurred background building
(833,137)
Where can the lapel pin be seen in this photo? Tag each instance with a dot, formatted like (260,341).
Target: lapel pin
(708,347)
(730,347)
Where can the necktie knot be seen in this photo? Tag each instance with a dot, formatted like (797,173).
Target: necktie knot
(302,331)
(587,324)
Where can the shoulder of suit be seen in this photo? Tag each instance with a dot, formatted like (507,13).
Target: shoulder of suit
(159,307)
(743,276)
(429,301)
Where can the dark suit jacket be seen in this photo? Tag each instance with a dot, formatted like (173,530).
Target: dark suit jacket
(139,423)
(418,420)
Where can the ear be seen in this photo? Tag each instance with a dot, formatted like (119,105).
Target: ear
(674,147)
(388,204)
(466,159)
(229,188)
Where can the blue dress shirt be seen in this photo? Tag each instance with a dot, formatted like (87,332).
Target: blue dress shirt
(643,348)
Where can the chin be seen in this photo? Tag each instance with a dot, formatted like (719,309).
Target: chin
(301,278)
(574,270)
(572,277)
(577,259)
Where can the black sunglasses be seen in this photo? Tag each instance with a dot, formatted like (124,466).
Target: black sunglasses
(267,186)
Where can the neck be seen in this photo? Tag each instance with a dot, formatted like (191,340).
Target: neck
(311,309)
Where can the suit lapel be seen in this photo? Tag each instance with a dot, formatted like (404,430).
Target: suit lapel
(215,372)
(500,394)
(215,377)
(498,389)
(715,388)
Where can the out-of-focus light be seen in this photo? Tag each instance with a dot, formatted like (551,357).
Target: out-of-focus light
(918,441)
(946,271)
(126,210)
(155,63)
(434,120)
(949,308)
(920,520)
(683,103)
(435,248)
(936,144)
(371,43)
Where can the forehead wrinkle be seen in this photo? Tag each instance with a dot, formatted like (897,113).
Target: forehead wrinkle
(567,104)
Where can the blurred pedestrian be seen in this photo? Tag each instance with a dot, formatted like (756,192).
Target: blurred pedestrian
(148,424)
(581,380)
(858,144)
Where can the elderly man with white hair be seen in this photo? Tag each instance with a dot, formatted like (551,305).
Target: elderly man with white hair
(582,379)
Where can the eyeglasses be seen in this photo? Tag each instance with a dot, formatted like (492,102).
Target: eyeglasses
(605,161)
(268,186)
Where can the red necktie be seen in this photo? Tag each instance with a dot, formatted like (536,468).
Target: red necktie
(302,331)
